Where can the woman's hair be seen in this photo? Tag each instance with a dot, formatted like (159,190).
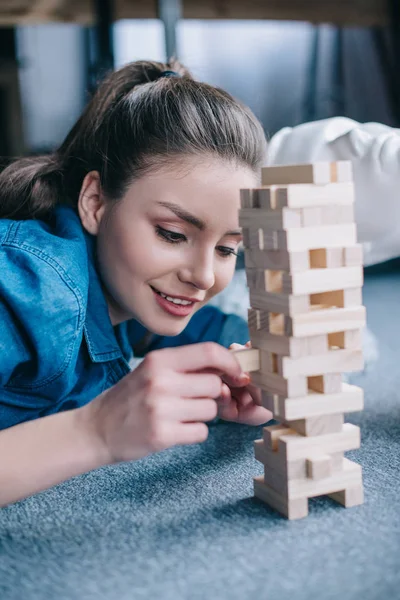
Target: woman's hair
(136,121)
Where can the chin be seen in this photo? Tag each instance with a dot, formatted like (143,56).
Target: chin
(170,330)
(158,327)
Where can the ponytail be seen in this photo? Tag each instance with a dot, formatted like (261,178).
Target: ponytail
(29,187)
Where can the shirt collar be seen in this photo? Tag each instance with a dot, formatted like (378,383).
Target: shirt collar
(98,329)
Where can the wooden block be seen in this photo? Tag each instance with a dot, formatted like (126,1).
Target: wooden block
(327,320)
(296,446)
(330,383)
(263,198)
(332,362)
(272,433)
(273,281)
(315,404)
(310,238)
(321,425)
(337,461)
(316,281)
(279,344)
(252,238)
(317,344)
(248,358)
(267,363)
(351,475)
(269,401)
(353,255)
(339,298)
(276,322)
(305,195)
(291,509)
(291,470)
(273,340)
(260,320)
(277,480)
(267,198)
(327,258)
(255,279)
(270,220)
(267,322)
(279,303)
(319,466)
(275,384)
(279,260)
(312,216)
(337,215)
(350,340)
(268,240)
(318,173)
(253,318)
(294,469)
(248,198)
(341,170)
(350,496)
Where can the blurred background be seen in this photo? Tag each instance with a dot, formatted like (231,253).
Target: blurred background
(292,61)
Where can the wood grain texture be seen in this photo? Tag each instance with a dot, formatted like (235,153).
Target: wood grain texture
(313,404)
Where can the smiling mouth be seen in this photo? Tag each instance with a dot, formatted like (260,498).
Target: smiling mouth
(172,299)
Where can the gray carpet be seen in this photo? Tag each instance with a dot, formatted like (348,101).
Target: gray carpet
(183,525)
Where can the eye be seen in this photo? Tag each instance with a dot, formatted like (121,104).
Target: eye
(172,237)
(225,251)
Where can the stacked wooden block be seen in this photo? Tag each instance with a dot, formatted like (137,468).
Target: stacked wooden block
(304,272)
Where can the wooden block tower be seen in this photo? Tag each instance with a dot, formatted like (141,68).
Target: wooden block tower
(304,272)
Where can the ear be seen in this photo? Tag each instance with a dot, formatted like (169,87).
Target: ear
(91,203)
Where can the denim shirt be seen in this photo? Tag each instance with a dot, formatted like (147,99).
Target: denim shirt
(58,347)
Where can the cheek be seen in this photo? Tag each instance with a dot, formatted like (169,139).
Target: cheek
(133,252)
(223,276)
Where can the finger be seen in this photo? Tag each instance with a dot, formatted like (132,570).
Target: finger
(242,381)
(195,385)
(254,415)
(255,393)
(194,358)
(225,396)
(189,433)
(228,410)
(242,397)
(191,410)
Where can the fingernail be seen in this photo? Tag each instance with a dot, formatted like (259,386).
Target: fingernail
(242,377)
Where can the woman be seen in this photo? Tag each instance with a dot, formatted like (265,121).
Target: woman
(126,231)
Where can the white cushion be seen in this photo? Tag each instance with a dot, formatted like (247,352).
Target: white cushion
(374,150)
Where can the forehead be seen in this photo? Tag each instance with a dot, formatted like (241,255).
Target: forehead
(207,186)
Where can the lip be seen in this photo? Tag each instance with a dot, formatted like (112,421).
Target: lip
(177,310)
(175,296)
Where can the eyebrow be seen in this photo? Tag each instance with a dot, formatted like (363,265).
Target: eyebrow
(189,218)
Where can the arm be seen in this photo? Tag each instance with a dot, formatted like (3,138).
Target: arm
(39,454)
(164,402)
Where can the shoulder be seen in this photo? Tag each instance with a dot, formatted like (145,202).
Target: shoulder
(57,249)
(43,291)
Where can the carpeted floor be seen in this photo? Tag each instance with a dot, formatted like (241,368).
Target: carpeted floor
(183,525)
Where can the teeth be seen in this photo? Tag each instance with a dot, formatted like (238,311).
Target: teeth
(175,300)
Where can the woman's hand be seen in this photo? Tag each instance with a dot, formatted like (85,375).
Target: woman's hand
(242,403)
(166,401)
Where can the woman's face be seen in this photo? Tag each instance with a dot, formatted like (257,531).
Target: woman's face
(170,244)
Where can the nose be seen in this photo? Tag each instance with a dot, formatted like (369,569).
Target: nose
(199,270)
